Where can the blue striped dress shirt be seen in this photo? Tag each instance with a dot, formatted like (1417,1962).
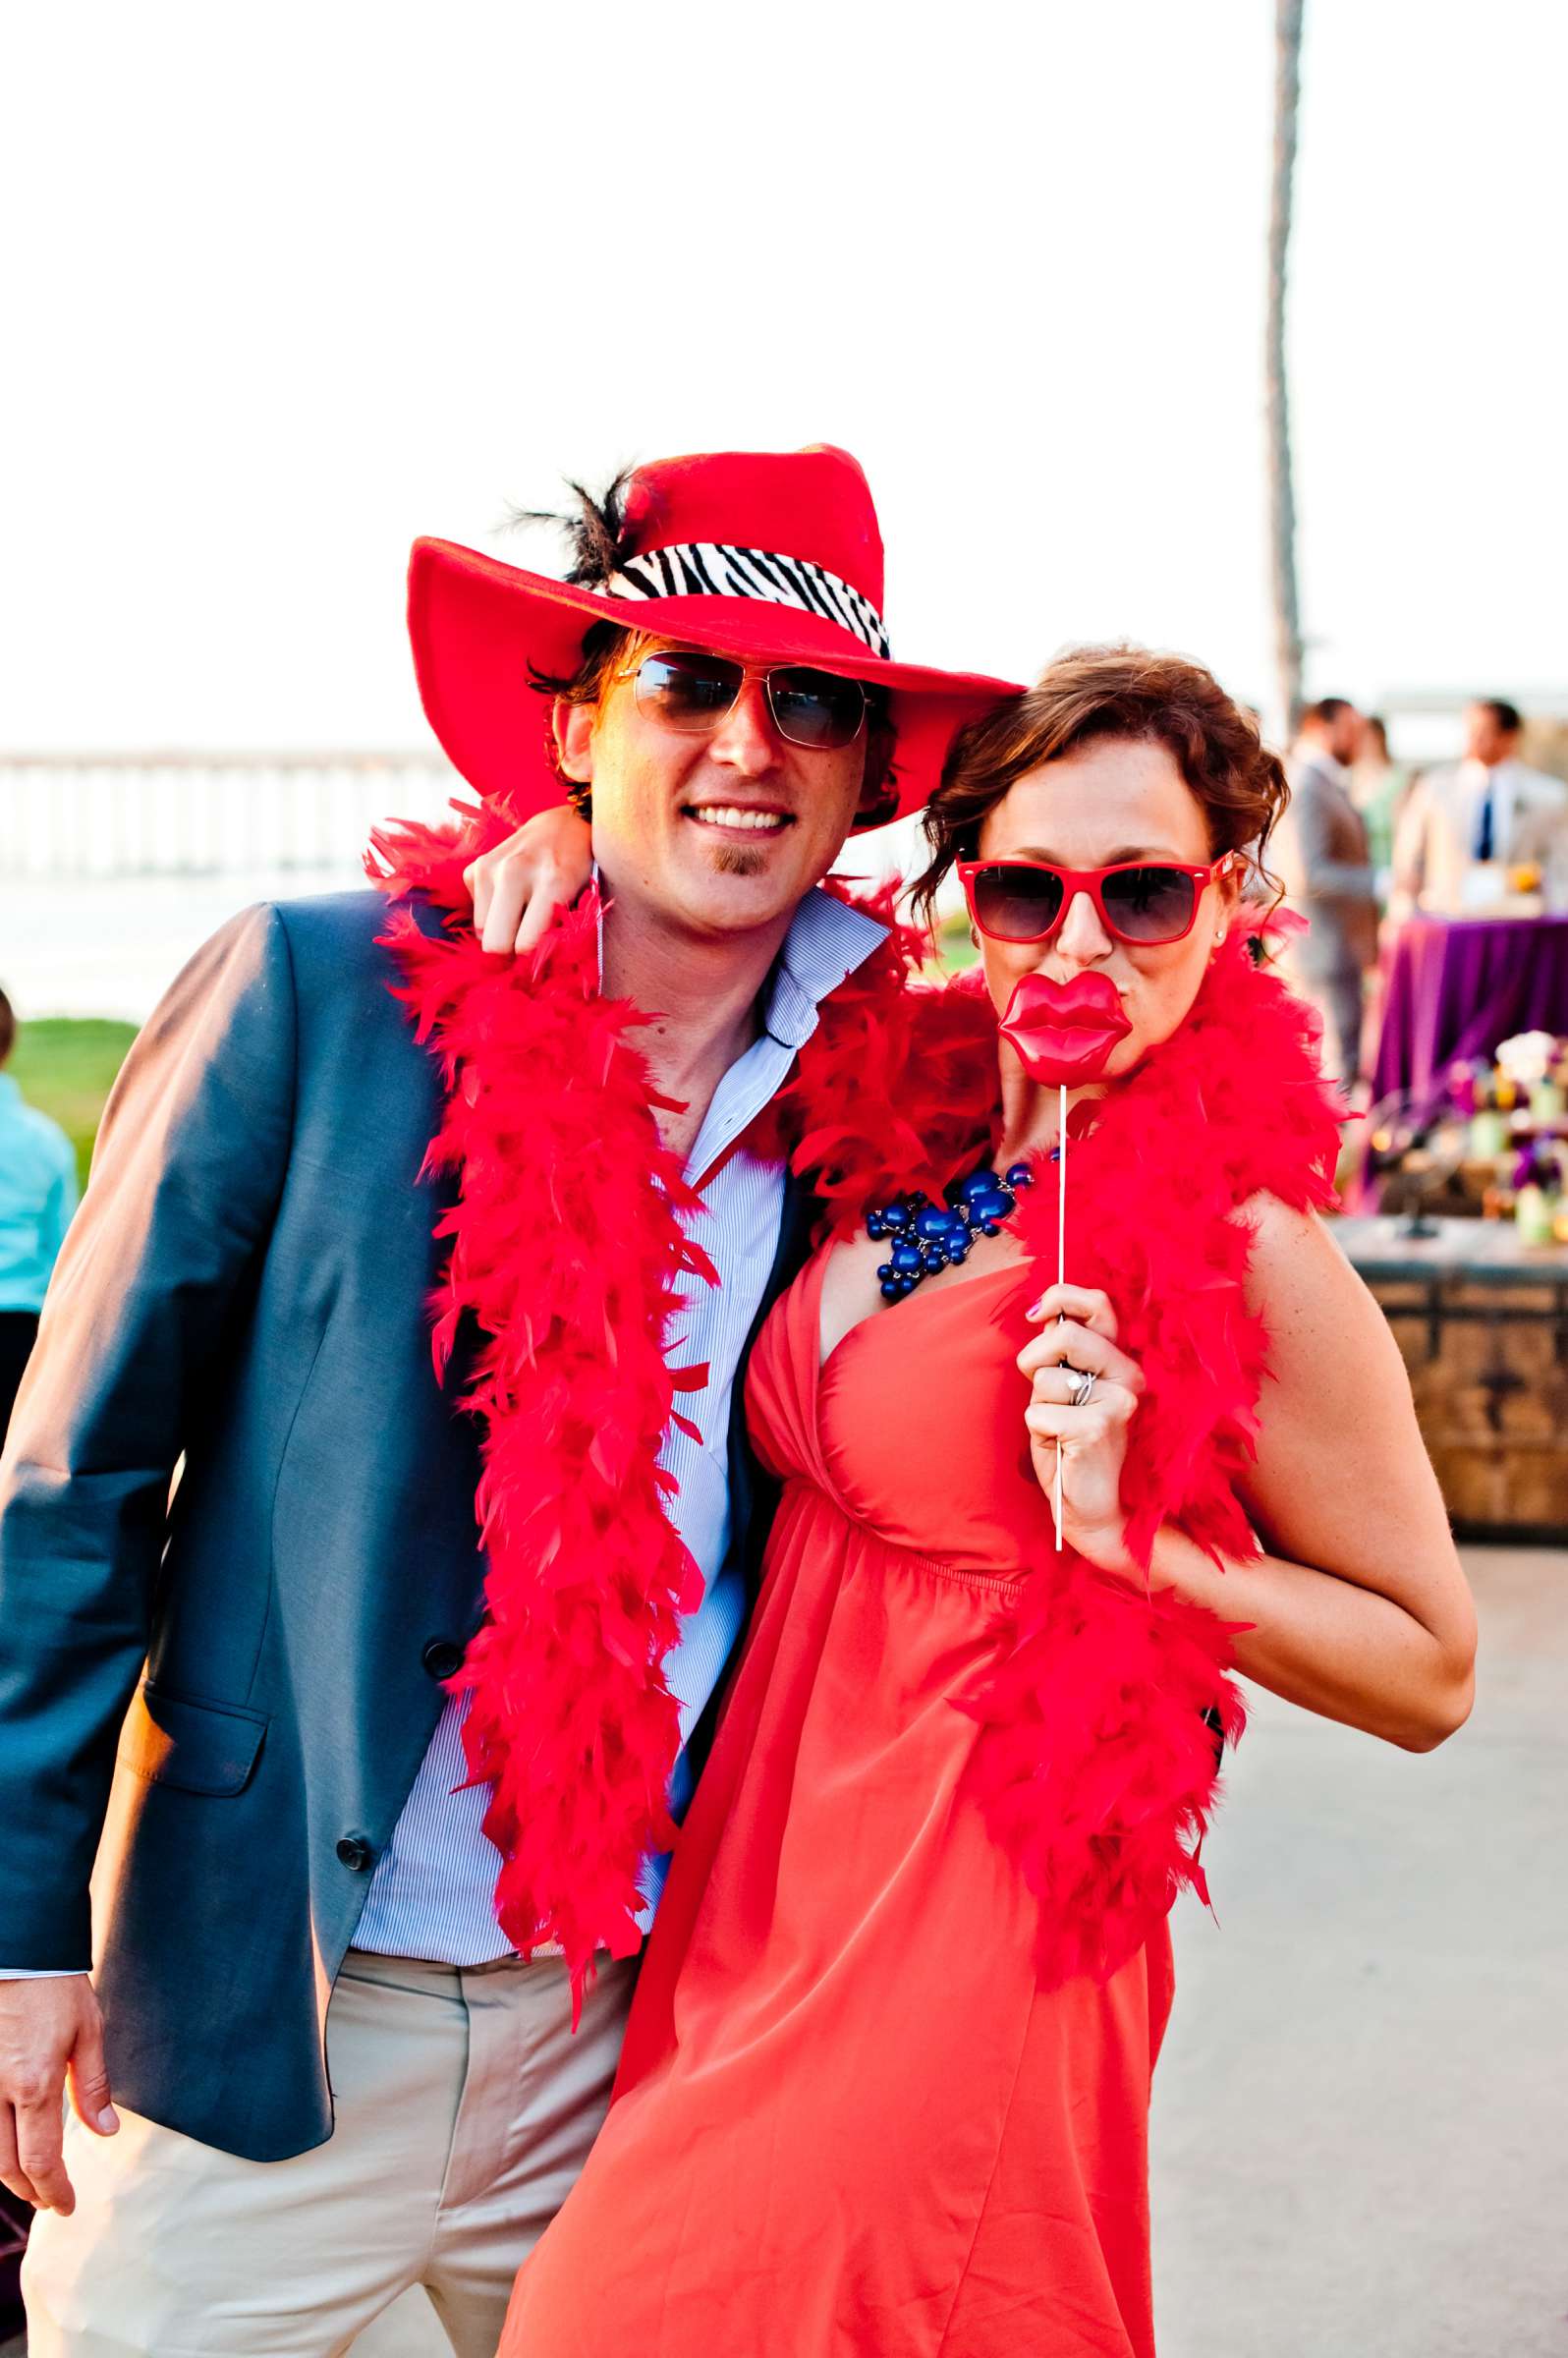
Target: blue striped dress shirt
(433,1891)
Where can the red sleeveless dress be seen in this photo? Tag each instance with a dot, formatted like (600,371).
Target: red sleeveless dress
(848,2118)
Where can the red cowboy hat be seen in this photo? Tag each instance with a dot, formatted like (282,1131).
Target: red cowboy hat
(773,558)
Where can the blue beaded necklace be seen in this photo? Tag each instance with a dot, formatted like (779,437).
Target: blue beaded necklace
(927,1237)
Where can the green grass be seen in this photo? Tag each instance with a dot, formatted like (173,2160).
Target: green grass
(67,1068)
(954,949)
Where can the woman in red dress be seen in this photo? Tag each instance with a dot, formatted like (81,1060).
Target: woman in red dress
(887,2080)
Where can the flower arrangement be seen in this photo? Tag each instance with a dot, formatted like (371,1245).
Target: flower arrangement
(1514,1106)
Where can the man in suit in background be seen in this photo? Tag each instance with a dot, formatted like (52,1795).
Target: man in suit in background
(1464,825)
(1326,863)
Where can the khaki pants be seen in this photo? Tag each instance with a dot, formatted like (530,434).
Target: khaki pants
(464,2110)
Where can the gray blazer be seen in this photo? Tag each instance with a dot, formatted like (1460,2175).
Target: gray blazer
(1325,865)
(234,1689)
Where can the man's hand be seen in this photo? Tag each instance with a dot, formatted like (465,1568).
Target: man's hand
(516,888)
(48,2029)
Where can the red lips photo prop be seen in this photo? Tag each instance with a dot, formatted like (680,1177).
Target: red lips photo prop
(1065,1032)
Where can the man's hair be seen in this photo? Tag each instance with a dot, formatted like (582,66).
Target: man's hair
(597,542)
(596,534)
(606,649)
(1326,709)
(8,1027)
(1508,716)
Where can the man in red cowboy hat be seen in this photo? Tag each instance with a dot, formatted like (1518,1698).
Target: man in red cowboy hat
(373,1810)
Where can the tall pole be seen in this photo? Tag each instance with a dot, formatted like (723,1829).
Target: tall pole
(1281,491)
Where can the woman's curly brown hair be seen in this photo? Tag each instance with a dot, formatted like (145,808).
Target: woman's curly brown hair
(1110,692)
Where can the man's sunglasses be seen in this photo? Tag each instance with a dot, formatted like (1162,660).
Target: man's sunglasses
(1025,900)
(694,693)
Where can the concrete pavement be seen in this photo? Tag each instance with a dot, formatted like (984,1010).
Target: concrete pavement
(1360,2117)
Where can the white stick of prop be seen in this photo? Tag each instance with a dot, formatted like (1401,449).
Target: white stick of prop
(1061,1268)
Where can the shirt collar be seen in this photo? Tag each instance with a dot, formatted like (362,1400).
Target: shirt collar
(828,939)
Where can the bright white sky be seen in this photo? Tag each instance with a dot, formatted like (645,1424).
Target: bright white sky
(287,285)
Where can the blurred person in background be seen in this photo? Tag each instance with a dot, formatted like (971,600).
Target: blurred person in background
(1467,824)
(1325,864)
(1379,785)
(38,1195)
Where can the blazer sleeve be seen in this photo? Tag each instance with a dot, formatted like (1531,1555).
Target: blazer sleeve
(1324,875)
(186,1180)
(1541,823)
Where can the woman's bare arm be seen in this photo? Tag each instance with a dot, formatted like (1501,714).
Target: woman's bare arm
(1360,1608)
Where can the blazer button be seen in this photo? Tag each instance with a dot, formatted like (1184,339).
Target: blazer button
(356,1852)
(442,1658)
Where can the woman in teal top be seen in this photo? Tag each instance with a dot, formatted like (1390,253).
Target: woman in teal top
(38,1195)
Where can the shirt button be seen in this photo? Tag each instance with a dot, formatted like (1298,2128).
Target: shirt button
(355,1852)
(442,1658)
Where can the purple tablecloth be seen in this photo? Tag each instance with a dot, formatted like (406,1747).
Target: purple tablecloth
(1456,988)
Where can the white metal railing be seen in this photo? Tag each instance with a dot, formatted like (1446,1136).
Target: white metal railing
(70,816)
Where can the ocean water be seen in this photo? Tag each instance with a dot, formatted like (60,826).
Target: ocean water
(110,946)
(112,872)
(110,880)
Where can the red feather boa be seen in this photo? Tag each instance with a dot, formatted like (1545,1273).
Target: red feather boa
(569,1261)
(1094,1768)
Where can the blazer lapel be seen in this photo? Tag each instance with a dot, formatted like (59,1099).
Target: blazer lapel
(752,1494)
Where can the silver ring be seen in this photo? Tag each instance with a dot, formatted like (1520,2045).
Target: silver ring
(1082,1384)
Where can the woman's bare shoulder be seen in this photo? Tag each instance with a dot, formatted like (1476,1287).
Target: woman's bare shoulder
(1296,1263)
(1341,1477)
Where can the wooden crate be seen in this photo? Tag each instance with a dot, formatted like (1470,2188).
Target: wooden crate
(1482,1323)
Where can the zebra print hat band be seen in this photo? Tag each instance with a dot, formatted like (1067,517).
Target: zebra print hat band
(689,544)
(720,569)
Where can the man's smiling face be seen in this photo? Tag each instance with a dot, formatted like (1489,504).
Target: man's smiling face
(708,834)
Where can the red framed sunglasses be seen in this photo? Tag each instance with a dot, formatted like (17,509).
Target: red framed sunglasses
(1138,900)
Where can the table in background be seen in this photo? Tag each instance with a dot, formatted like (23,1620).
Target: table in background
(1483,1322)
(1457,986)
